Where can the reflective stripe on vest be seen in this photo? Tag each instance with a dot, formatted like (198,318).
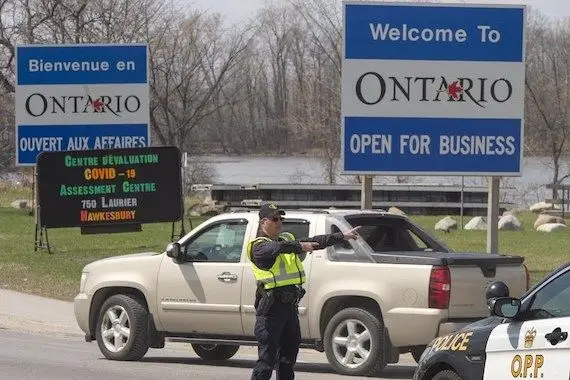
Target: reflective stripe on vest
(287,236)
(287,269)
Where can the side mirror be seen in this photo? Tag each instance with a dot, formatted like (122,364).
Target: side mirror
(505,307)
(173,250)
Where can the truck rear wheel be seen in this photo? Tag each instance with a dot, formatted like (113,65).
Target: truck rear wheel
(121,330)
(447,375)
(215,352)
(354,343)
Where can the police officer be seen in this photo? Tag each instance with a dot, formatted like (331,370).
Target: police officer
(278,269)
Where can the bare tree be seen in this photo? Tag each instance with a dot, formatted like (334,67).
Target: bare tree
(548,89)
(240,126)
(191,59)
(320,117)
(7,133)
(279,22)
(225,124)
(271,86)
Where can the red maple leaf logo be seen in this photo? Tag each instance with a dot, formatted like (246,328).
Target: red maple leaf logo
(98,105)
(454,90)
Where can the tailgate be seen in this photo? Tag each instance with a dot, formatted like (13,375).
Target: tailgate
(469,280)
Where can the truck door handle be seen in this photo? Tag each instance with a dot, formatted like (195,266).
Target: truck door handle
(556,336)
(227,276)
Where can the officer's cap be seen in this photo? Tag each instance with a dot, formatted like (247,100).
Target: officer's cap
(270,210)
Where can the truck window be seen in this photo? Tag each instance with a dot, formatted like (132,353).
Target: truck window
(415,241)
(384,238)
(221,242)
(344,251)
(298,227)
(389,235)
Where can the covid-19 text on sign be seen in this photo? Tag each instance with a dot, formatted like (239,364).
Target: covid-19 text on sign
(77,97)
(432,89)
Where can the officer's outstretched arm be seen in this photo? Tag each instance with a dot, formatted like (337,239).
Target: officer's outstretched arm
(332,239)
(326,240)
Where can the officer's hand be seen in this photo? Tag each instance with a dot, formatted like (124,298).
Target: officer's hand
(351,234)
(308,246)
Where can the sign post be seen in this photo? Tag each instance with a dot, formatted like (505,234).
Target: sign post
(493,215)
(433,89)
(366,193)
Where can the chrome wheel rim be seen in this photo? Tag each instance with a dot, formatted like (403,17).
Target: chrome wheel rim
(115,328)
(351,343)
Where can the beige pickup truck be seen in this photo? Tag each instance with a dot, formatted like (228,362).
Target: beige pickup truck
(389,292)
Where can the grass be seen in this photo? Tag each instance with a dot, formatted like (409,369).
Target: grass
(57,275)
(543,252)
(8,194)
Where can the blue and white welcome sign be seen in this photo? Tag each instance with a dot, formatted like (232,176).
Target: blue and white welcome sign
(80,97)
(432,89)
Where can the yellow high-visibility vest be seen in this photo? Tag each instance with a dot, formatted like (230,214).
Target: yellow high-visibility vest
(287,270)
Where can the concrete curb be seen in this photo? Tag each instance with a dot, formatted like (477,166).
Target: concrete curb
(31,313)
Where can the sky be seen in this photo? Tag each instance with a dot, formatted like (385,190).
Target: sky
(241,10)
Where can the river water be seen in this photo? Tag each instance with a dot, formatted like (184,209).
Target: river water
(523,191)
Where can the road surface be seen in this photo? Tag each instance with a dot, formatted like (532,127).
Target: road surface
(40,339)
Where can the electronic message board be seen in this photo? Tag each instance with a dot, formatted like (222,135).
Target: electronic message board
(112,187)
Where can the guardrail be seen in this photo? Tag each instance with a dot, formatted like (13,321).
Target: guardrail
(412,199)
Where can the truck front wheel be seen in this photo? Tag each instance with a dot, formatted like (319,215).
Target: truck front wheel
(354,343)
(122,328)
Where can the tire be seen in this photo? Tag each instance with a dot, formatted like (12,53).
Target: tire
(119,313)
(359,322)
(417,352)
(446,375)
(215,352)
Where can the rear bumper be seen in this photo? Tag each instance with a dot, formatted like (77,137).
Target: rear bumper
(413,326)
(447,327)
(427,325)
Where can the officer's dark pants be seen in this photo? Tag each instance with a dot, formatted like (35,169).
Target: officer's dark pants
(279,336)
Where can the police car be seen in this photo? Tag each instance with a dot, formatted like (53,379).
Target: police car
(523,338)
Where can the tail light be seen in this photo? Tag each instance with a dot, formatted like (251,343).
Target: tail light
(527,272)
(439,287)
